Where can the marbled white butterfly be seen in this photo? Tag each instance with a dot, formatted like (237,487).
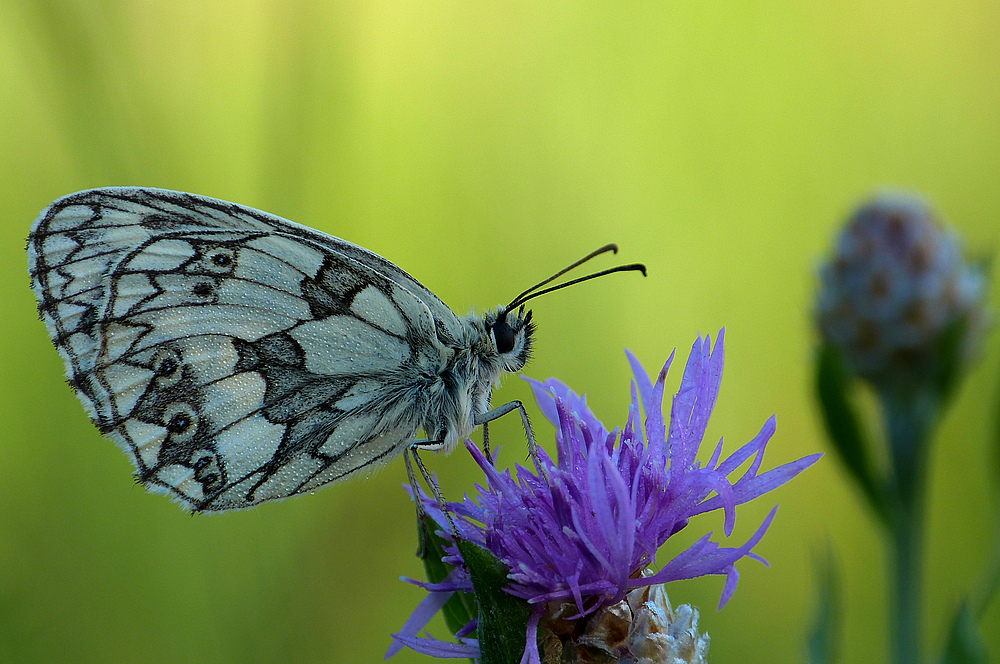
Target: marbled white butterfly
(237,357)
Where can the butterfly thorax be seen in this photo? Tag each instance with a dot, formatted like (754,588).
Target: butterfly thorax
(474,364)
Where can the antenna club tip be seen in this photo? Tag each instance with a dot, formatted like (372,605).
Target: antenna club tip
(641,268)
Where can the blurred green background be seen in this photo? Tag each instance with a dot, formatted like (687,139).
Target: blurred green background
(481,146)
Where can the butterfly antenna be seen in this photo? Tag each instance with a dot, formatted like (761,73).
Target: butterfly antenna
(533,292)
(612,247)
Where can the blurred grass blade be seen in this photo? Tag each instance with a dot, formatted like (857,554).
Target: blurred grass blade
(964,645)
(989,585)
(996,437)
(824,640)
(833,386)
(503,618)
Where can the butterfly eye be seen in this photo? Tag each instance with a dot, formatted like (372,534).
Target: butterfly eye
(504,336)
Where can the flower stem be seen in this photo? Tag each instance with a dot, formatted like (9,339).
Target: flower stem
(910,418)
(907,550)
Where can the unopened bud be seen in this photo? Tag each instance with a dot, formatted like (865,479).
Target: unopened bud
(896,284)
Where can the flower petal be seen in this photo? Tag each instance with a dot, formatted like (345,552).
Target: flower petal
(531,655)
(642,381)
(422,615)
(468,649)
(695,400)
(749,488)
(543,397)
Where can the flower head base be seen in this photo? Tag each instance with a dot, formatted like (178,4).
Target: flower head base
(640,629)
(895,286)
(582,541)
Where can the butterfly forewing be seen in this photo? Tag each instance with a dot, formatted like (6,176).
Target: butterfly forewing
(235,356)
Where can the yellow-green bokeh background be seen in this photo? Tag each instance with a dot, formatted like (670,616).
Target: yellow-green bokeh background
(481,145)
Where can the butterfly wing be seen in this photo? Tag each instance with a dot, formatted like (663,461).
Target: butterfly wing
(236,357)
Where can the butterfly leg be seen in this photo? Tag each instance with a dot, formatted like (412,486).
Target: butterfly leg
(422,517)
(486,443)
(499,412)
(422,535)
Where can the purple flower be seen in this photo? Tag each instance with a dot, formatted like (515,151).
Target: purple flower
(581,540)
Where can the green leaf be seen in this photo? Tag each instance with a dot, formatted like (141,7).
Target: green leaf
(964,645)
(951,349)
(833,386)
(503,618)
(824,641)
(461,608)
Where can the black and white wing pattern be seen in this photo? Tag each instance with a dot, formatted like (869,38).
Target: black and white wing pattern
(237,357)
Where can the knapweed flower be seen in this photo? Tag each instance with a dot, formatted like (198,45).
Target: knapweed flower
(583,540)
(895,285)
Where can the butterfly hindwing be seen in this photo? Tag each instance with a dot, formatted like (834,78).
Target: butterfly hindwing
(236,357)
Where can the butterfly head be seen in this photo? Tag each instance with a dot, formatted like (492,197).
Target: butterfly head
(510,329)
(512,333)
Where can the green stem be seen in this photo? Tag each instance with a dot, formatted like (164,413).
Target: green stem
(909,419)
(907,551)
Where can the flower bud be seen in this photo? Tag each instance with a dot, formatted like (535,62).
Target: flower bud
(895,287)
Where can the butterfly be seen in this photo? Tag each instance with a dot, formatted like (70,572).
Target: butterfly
(237,357)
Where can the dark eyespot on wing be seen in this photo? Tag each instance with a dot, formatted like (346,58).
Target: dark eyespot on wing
(204,289)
